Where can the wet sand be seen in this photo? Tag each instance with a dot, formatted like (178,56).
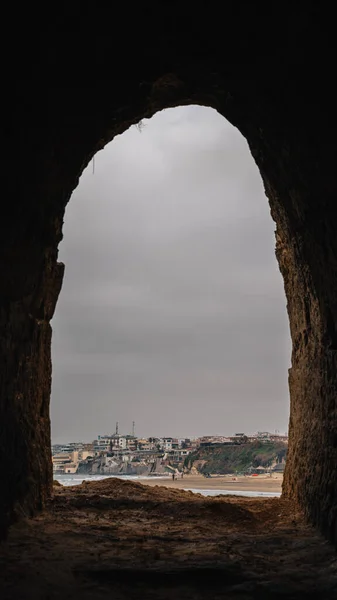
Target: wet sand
(261,483)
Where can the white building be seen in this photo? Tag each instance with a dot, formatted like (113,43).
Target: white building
(166,443)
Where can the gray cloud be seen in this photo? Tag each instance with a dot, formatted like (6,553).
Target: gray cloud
(172,312)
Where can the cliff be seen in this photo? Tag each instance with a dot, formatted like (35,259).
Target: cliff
(241,458)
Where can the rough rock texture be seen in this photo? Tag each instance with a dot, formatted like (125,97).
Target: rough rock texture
(85,76)
(122,540)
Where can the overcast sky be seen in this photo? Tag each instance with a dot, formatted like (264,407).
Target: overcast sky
(172,312)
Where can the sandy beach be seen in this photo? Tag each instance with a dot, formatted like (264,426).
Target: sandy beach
(261,483)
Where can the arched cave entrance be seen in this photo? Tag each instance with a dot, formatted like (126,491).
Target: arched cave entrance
(172,311)
(266,73)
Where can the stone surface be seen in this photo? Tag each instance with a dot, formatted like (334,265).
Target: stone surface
(83,76)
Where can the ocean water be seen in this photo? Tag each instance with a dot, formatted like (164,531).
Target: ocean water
(68,480)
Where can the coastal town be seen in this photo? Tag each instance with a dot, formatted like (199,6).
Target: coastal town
(119,454)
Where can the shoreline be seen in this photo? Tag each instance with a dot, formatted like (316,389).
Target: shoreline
(261,483)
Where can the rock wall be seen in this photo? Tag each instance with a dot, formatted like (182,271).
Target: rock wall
(306,250)
(25,385)
(75,86)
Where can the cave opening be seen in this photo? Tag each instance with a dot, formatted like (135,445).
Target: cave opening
(172,299)
(266,73)
(289,156)
(192,209)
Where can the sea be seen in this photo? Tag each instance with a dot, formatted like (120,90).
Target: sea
(68,480)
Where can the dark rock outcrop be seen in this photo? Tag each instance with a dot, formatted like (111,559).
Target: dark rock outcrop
(84,75)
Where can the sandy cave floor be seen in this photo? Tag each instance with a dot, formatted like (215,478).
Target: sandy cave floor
(124,540)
